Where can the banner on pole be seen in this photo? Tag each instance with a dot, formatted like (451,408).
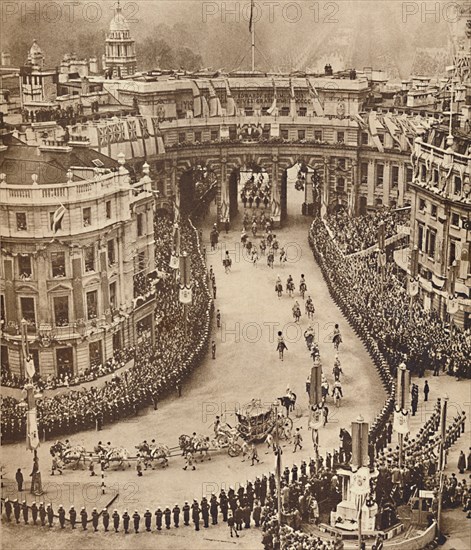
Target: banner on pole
(174,261)
(413,287)
(401,421)
(316,420)
(32,425)
(186,295)
(360,482)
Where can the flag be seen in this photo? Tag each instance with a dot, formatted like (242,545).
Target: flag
(273,109)
(401,421)
(197,108)
(251,16)
(204,106)
(215,108)
(231,108)
(319,110)
(57,218)
(185,295)
(292,101)
(374,124)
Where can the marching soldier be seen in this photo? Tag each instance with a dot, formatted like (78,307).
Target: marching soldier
(205,512)
(176,515)
(137,519)
(8,509)
(95,518)
(34,512)
(189,461)
(24,509)
(257,513)
(186,514)
(254,454)
(230,523)
(213,506)
(42,514)
(297,439)
(61,514)
(168,517)
(148,520)
(105,516)
(126,520)
(158,519)
(223,504)
(294,473)
(72,517)
(84,518)
(115,521)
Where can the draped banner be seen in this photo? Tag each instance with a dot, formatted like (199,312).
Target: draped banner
(401,421)
(186,295)
(32,429)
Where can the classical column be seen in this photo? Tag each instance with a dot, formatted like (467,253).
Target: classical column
(401,184)
(355,185)
(223,192)
(386,182)
(276,201)
(371,183)
(326,187)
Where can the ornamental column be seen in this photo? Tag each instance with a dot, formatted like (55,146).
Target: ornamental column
(371,183)
(386,182)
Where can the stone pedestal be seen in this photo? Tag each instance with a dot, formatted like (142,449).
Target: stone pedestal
(346,517)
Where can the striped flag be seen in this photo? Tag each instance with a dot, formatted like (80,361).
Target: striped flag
(57,218)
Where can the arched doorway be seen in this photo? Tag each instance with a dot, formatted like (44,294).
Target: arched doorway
(195,185)
(300,190)
(250,191)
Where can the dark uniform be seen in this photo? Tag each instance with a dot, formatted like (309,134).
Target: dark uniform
(84,518)
(8,509)
(34,512)
(213,506)
(148,520)
(205,512)
(168,517)
(186,514)
(257,512)
(61,514)
(115,521)
(158,519)
(137,519)
(95,518)
(176,515)
(126,520)
(223,504)
(42,514)
(196,514)
(105,516)
(72,516)
(17,510)
(50,515)
(24,509)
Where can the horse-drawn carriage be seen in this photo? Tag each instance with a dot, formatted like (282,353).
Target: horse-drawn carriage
(225,438)
(259,421)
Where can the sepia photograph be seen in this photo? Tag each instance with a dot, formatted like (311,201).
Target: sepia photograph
(235,274)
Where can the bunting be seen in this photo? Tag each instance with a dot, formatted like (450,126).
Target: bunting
(374,125)
(231,108)
(273,110)
(197,107)
(315,100)
(57,218)
(215,108)
(292,101)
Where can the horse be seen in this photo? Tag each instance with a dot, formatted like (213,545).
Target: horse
(153,452)
(69,455)
(288,401)
(302,289)
(279,289)
(117,456)
(270,259)
(337,396)
(290,287)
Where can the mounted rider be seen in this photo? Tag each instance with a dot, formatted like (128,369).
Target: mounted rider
(337,388)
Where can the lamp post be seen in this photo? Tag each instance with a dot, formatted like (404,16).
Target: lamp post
(442,457)
(316,405)
(278,468)
(186,294)
(32,433)
(401,417)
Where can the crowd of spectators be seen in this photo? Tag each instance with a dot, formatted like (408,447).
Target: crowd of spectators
(157,370)
(401,332)
(353,234)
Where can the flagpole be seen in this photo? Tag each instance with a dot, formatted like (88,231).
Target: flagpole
(253,35)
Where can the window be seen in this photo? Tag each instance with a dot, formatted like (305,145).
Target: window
(24,266)
(453,250)
(301,134)
(423,172)
(381,138)
(341,184)
(113,302)
(431,238)
(108,210)
(395,176)
(87,216)
(284,134)
(198,137)
(92,305)
(232,133)
(214,135)
(284,111)
(3,316)
(318,135)
(340,137)
(140,225)
(457,185)
(21,224)
(61,310)
(302,111)
(364,172)
(141,261)
(420,238)
(111,252)
(433,211)
(28,311)
(422,205)
(89,256)
(342,163)
(379,174)
(58,264)
(4,359)
(181,137)
(96,354)
(409,174)
(435,176)
(455,219)
(364,138)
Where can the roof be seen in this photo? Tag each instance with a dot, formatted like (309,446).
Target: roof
(20,162)
(119,23)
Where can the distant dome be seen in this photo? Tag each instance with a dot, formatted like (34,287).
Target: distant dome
(35,49)
(119,23)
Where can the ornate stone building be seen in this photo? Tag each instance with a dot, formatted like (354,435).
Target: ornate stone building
(77,256)
(120,49)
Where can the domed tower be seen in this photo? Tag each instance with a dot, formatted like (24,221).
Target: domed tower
(120,50)
(35,56)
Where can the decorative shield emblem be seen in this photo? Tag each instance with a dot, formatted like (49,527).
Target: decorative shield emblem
(186,295)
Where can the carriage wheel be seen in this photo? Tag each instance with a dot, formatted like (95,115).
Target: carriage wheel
(288,422)
(222,440)
(234,450)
